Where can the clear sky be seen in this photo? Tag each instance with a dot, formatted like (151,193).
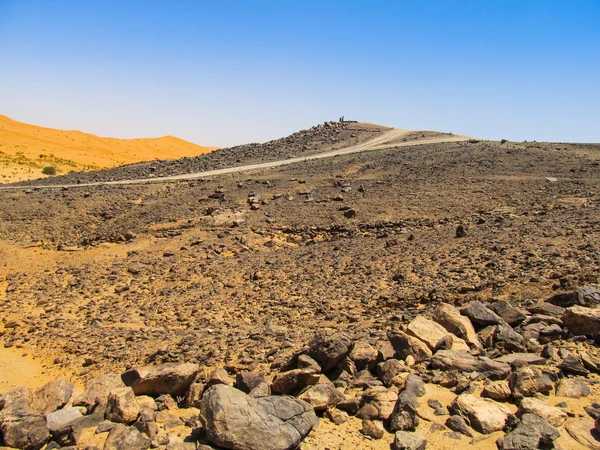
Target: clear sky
(228,72)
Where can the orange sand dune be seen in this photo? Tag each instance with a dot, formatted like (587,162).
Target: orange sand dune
(26,149)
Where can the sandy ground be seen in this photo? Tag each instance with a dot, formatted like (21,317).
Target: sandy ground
(25,149)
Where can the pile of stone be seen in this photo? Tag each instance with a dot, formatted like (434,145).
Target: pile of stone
(489,355)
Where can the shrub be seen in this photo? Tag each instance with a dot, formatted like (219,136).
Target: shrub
(49,170)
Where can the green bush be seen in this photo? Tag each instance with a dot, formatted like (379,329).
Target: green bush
(49,170)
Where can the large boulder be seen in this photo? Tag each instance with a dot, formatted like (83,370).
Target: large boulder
(484,415)
(52,396)
(581,320)
(21,426)
(171,378)
(97,391)
(406,345)
(465,362)
(330,351)
(235,420)
(454,322)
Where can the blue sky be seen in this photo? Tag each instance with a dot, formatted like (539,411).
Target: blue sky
(230,72)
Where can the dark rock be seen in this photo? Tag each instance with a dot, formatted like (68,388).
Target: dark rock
(508,313)
(458,424)
(480,315)
(528,381)
(52,396)
(572,364)
(306,362)
(170,378)
(464,362)
(236,420)
(389,370)
(246,381)
(293,381)
(404,417)
(330,351)
(97,391)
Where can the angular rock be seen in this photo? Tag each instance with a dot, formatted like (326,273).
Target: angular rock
(123,438)
(581,431)
(480,314)
(193,395)
(415,384)
(580,320)
(572,388)
(170,378)
(528,381)
(554,416)
(572,364)
(57,420)
(389,370)
(122,407)
(21,426)
(235,420)
(364,356)
(262,390)
(373,428)
(322,396)
(505,338)
(52,396)
(457,423)
(406,345)
(497,390)
(336,416)
(508,313)
(426,330)
(409,441)
(97,391)
(330,351)
(521,359)
(306,362)
(246,381)
(454,322)
(219,376)
(484,415)
(294,381)
(465,362)
(531,432)
(405,417)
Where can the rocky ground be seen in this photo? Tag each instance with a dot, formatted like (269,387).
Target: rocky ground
(390,258)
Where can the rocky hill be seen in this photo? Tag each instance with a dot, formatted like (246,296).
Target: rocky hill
(444,292)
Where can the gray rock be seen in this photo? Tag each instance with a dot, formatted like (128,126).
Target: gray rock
(52,396)
(235,420)
(409,441)
(404,417)
(246,381)
(389,370)
(458,424)
(170,378)
(415,384)
(572,388)
(306,362)
(57,420)
(97,391)
(484,415)
(554,416)
(330,351)
(507,339)
(508,313)
(480,314)
(21,426)
(531,432)
(521,359)
(465,362)
(572,364)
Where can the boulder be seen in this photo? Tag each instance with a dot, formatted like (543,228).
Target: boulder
(405,417)
(122,438)
(508,313)
(122,407)
(426,330)
(235,420)
(306,362)
(505,338)
(330,351)
(581,320)
(246,381)
(531,433)
(322,396)
(497,390)
(480,314)
(58,420)
(52,396)
(581,431)
(554,416)
(294,381)
(364,356)
(97,391)
(378,404)
(465,362)
(484,415)
(406,345)
(572,388)
(21,426)
(573,365)
(170,378)
(409,441)
(454,322)
(528,381)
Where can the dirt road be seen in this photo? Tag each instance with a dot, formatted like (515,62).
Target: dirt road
(390,139)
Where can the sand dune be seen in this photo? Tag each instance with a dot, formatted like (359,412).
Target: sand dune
(26,149)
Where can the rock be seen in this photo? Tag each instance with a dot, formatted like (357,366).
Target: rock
(336,416)
(97,391)
(589,362)
(373,428)
(385,349)
(262,390)
(458,424)
(546,309)
(306,362)
(505,338)
(378,404)
(497,390)
(572,388)
(426,330)
(350,213)
(219,376)
(585,296)
(406,345)
(170,378)
(21,426)
(484,415)
(122,406)
(508,313)
(123,438)
(480,315)
(322,396)
(235,420)
(294,381)
(73,432)
(364,356)
(409,441)
(389,370)
(554,416)
(581,431)
(193,396)
(580,320)
(57,420)
(528,381)
(415,384)
(572,364)
(454,322)
(246,381)
(330,351)
(405,417)
(521,359)
(52,396)
(529,434)
(350,405)
(465,362)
